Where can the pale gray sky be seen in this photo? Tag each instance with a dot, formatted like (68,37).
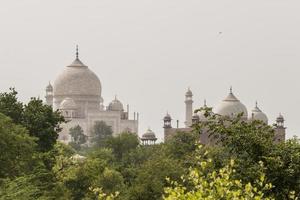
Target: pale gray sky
(149,52)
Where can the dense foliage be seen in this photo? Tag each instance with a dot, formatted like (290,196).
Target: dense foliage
(209,184)
(78,138)
(100,132)
(16,148)
(36,117)
(33,165)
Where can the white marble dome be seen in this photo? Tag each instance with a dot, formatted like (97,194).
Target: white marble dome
(257,114)
(68,104)
(115,105)
(231,106)
(77,80)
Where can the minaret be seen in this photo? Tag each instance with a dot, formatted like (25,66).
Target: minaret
(188,108)
(49,95)
(167,121)
(280,129)
(167,126)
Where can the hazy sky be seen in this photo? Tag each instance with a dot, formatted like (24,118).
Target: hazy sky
(149,52)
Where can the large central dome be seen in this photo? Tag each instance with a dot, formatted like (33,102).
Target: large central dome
(77,80)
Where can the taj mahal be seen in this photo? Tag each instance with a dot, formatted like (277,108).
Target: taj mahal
(76,92)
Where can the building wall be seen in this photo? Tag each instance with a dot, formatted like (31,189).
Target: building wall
(84,103)
(131,124)
(111,118)
(64,135)
(204,137)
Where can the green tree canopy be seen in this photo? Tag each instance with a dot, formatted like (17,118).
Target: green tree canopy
(182,144)
(78,137)
(122,144)
(151,177)
(38,118)
(10,106)
(17,149)
(101,131)
(248,143)
(42,123)
(283,168)
(204,183)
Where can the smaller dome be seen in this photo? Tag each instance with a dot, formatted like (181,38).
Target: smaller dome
(115,105)
(49,87)
(280,118)
(257,114)
(189,92)
(167,117)
(68,104)
(149,135)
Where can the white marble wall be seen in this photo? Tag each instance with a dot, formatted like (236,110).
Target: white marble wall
(111,118)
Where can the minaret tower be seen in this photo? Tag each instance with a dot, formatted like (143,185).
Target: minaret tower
(280,129)
(49,95)
(188,108)
(167,121)
(167,126)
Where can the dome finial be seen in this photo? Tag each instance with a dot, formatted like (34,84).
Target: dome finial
(230,89)
(77,52)
(256,104)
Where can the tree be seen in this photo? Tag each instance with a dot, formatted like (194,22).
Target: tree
(283,168)
(100,195)
(101,131)
(151,177)
(217,184)
(40,184)
(79,177)
(248,143)
(78,137)
(10,106)
(17,149)
(111,181)
(39,119)
(122,144)
(182,144)
(42,123)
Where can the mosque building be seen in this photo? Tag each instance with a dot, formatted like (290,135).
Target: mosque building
(231,106)
(76,92)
